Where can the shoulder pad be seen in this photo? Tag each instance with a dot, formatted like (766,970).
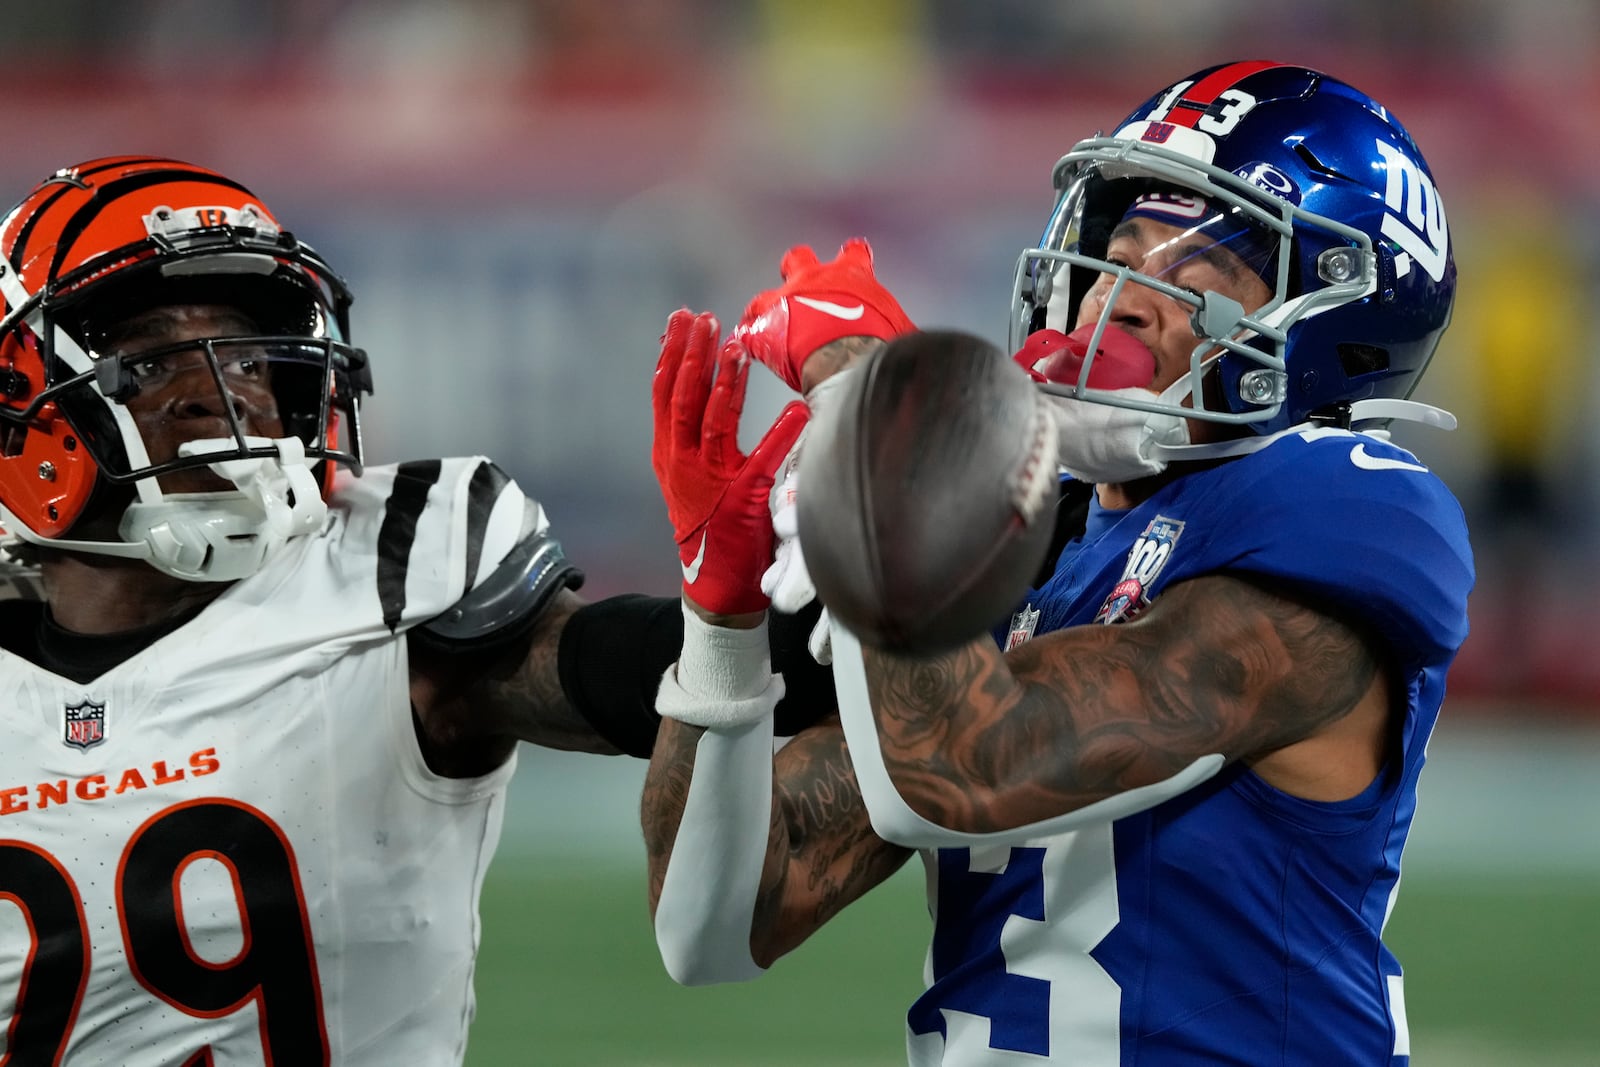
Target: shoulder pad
(510,599)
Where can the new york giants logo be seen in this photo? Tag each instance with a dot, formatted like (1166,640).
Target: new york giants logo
(83,725)
(1415,221)
(1157,133)
(1146,560)
(1176,205)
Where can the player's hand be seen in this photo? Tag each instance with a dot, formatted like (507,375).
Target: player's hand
(788,581)
(818,303)
(717,497)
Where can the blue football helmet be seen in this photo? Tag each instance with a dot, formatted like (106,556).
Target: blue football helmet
(1336,191)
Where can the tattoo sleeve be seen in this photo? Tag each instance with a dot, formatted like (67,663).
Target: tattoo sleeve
(473,709)
(666,790)
(981,741)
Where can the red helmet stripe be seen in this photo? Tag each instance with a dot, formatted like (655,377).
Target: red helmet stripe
(1203,93)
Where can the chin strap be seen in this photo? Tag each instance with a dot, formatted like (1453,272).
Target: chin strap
(1404,410)
(1374,410)
(222,537)
(215,537)
(281,486)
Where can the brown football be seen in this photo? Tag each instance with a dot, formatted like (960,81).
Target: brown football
(927,487)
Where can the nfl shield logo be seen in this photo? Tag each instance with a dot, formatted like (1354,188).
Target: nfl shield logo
(83,724)
(1023,623)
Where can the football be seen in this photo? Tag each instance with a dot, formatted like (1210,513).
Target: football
(927,491)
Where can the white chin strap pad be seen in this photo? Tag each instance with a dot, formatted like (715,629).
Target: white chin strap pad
(225,536)
(1102,443)
(282,486)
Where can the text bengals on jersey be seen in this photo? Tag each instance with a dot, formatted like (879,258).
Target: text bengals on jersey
(98,786)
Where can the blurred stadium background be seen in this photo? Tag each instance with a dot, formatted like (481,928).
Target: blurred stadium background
(520,192)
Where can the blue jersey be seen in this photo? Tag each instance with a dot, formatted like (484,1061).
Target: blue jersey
(1233,923)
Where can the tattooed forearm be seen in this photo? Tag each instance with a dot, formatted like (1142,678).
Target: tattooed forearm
(523,694)
(666,790)
(981,741)
(822,852)
(834,357)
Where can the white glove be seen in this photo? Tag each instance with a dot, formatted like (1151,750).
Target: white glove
(787,581)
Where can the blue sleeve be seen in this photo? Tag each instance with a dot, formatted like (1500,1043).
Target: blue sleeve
(1359,524)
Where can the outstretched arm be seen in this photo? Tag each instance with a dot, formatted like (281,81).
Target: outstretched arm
(748,853)
(585,680)
(977,741)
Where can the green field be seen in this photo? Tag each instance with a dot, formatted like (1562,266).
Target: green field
(1496,973)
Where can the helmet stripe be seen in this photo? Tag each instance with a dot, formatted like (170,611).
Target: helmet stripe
(1203,93)
(65,186)
(107,194)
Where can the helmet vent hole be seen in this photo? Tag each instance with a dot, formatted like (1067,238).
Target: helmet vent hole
(1317,165)
(1311,160)
(1358,359)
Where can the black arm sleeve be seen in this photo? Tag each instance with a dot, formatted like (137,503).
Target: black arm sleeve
(614,651)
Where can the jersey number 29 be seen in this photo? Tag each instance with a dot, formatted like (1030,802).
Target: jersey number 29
(275,966)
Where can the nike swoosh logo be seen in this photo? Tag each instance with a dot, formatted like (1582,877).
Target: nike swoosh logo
(691,570)
(1358,456)
(838,311)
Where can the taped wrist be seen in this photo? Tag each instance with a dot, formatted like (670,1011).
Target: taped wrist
(723,677)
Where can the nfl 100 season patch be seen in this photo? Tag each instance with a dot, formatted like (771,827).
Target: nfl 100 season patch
(1146,560)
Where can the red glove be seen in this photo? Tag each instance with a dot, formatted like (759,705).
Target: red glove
(1121,362)
(717,497)
(818,303)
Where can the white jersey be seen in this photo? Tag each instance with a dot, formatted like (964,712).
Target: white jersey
(228,850)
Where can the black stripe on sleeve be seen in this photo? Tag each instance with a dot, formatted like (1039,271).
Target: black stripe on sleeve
(407,499)
(488,481)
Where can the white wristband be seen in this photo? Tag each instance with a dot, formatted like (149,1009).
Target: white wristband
(723,677)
